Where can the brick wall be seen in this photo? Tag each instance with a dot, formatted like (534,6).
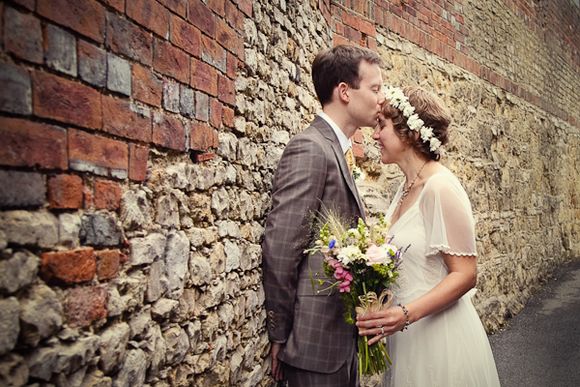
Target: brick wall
(138,140)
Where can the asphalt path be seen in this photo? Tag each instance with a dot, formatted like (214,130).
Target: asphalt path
(540,347)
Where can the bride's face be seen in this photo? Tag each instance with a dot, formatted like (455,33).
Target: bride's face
(390,145)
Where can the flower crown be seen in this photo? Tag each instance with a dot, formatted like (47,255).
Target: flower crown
(399,100)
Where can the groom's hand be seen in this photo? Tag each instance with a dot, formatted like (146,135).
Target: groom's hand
(277,373)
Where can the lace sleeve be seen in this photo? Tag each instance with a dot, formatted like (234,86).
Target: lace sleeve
(448,218)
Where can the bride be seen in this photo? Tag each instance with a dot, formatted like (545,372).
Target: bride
(435,335)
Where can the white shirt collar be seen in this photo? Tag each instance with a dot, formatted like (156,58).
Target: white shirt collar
(342,139)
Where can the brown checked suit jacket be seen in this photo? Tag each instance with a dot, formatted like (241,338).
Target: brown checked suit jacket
(312,176)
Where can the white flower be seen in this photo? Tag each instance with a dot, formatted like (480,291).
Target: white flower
(349,254)
(434,144)
(399,100)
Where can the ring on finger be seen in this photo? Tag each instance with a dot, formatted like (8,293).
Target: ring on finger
(382,330)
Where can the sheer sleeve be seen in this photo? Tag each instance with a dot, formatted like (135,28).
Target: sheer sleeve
(448,218)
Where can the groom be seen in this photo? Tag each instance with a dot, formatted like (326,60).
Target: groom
(311,344)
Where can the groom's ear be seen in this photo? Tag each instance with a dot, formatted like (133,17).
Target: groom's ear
(342,91)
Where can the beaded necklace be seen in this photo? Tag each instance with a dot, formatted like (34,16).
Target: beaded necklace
(408,189)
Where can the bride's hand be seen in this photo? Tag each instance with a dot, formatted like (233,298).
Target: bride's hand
(380,324)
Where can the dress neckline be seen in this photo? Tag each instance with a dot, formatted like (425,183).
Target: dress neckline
(417,200)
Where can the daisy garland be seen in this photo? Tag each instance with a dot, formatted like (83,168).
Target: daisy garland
(400,101)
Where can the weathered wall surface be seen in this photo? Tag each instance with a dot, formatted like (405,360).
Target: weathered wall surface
(138,140)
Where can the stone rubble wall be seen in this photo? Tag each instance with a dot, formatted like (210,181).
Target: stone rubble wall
(138,140)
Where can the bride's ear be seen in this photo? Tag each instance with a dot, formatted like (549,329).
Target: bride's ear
(342,91)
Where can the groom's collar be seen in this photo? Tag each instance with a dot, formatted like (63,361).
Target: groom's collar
(342,139)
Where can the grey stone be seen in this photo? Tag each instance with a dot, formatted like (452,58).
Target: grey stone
(140,323)
(97,379)
(115,303)
(16,92)
(156,349)
(233,255)
(219,350)
(40,315)
(176,258)
(18,271)
(148,249)
(133,371)
(61,51)
(201,106)
(30,228)
(194,333)
(163,308)
(167,211)
(158,283)
(113,344)
(100,229)
(219,202)
(29,31)
(42,362)
(199,269)
(21,189)
(73,380)
(69,229)
(83,166)
(118,74)
(228,146)
(187,101)
(135,209)
(228,228)
(9,326)
(13,370)
(177,343)
(171,100)
(73,357)
(93,67)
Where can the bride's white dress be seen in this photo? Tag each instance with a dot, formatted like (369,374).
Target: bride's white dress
(449,348)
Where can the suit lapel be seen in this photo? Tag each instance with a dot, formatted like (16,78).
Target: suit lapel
(328,133)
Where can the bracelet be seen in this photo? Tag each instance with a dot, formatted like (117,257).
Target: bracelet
(406,313)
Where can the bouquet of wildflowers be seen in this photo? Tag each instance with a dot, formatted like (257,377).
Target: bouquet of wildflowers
(362,263)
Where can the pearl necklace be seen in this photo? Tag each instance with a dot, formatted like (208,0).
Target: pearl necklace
(408,189)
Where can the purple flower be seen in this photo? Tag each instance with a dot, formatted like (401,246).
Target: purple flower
(331,243)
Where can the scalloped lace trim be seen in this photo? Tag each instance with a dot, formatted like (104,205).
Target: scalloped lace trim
(435,249)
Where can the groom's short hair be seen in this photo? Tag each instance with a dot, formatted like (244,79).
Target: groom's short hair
(339,64)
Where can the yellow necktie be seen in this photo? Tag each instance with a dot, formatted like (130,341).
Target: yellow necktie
(350,161)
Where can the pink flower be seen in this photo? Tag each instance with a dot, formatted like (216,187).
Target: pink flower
(380,254)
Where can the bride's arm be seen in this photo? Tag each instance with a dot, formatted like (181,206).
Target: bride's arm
(461,278)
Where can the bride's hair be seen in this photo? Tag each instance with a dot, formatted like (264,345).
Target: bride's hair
(430,109)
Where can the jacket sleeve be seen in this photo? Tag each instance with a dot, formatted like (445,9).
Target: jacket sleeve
(296,196)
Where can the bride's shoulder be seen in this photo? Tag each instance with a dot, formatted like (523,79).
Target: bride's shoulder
(442,182)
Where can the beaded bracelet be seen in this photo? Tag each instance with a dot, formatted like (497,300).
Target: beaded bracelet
(406,313)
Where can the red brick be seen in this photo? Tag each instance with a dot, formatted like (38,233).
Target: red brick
(232,66)
(337,39)
(372,43)
(203,157)
(29,144)
(227,37)
(212,52)
(138,157)
(246,7)
(168,131)
(121,119)
(96,150)
(227,91)
(177,6)
(108,262)
(186,36)
(84,16)
(234,16)
(170,60)
(71,266)
(146,86)
(228,117)
(125,37)
(215,113)
(150,14)
(202,137)
(119,5)
(23,35)
(65,192)
(204,77)
(107,194)
(67,101)
(218,6)
(202,17)
(84,305)
(359,24)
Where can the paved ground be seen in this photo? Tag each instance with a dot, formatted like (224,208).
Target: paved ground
(540,347)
